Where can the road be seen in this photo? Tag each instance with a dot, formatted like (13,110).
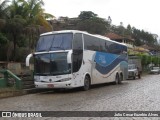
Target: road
(132,95)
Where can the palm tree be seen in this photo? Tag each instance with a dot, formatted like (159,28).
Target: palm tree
(15,23)
(3,12)
(26,16)
(3,8)
(36,19)
(14,28)
(34,14)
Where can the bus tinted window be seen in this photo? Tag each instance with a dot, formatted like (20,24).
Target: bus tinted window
(44,43)
(77,52)
(51,64)
(117,48)
(62,41)
(55,42)
(91,43)
(77,42)
(102,45)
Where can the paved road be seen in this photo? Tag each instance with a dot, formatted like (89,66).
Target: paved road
(133,95)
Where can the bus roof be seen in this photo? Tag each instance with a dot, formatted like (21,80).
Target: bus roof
(63,31)
(83,32)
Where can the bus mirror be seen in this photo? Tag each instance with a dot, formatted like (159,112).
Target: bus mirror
(69,58)
(27,59)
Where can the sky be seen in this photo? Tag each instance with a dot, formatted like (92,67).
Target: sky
(141,14)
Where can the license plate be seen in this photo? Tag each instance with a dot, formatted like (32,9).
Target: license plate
(50,85)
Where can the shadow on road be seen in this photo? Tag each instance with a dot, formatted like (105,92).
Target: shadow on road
(74,90)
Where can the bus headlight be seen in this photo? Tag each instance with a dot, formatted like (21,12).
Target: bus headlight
(65,79)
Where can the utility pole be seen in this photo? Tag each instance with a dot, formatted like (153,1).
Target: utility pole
(110,22)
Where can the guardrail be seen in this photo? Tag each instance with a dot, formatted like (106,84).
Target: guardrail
(8,74)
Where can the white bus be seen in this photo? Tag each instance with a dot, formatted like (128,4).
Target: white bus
(71,58)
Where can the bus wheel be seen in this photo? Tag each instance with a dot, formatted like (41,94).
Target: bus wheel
(120,79)
(117,79)
(86,83)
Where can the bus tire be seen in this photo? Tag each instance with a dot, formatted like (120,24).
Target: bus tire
(120,79)
(116,79)
(86,83)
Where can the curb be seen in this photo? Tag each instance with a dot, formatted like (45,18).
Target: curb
(9,92)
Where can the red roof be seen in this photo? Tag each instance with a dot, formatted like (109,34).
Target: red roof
(114,36)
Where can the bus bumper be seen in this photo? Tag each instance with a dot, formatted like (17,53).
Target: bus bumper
(66,84)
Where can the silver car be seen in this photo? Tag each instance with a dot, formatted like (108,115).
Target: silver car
(155,70)
(133,71)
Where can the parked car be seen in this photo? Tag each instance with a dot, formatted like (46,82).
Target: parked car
(133,71)
(155,70)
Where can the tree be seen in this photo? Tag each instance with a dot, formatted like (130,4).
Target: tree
(3,39)
(120,30)
(128,31)
(15,27)
(25,20)
(3,8)
(26,17)
(91,23)
(34,13)
(136,35)
(3,12)
(86,15)
(36,19)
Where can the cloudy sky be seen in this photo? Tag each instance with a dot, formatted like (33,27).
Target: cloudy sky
(142,14)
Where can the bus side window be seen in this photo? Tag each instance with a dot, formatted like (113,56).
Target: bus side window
(77,52)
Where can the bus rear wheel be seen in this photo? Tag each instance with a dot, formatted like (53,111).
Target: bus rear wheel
(116,79)
(120,79)
(86,83)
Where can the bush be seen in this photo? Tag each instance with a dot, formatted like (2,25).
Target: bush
(146,60)
(3,39)
(21,54)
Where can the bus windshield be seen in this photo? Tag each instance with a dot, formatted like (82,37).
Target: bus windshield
(52,64)
(55,42)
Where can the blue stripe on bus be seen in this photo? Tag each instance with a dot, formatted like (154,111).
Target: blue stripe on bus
(105,62)
(105,59)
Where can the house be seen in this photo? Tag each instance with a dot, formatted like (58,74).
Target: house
(152,50)
(64,23)
(122,39)
(132,49)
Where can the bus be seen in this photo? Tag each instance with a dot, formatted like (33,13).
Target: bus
(71,58)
